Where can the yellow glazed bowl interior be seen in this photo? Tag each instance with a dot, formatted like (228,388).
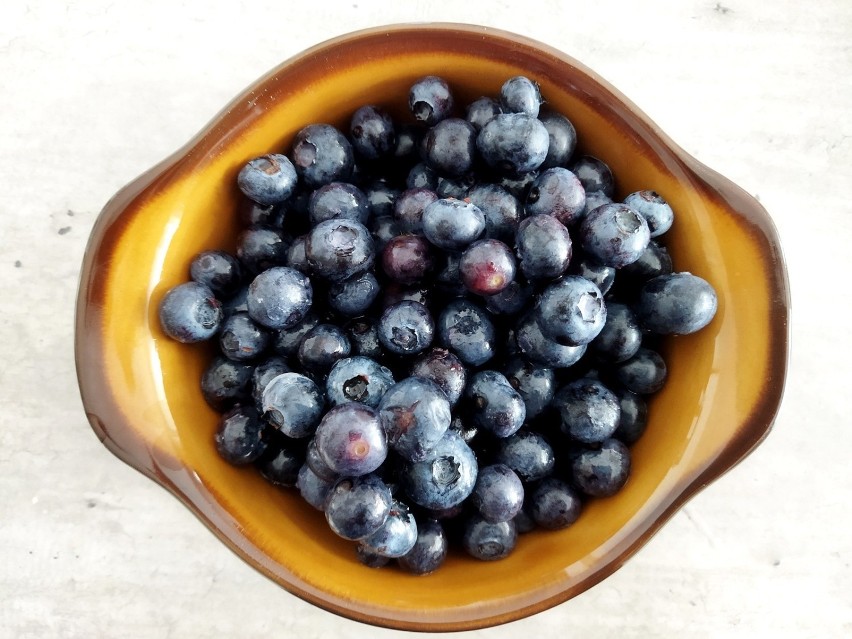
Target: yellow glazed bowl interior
(141,389)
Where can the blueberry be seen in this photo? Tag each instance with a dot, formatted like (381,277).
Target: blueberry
(676,304)
(502,211)
(571,311)
(644,373)
(350,439)
(487,541)
(421,176)
(449,146)
(535,383)
(517,184)
(614,235)
(225,383)
(240,437)
(189,313)
(218,270)
(408,208)
(594,199)
(322,346)
(260,248)
(594,175)
(358,379)
(452,224)
(556,192)
(293,404)
(241,338)
(465,429)
(364,337)
(445,477)
(354,296)
(487,267)
(396,293)
(407,143)
(590,411)
(447,278)
(543,246)
(498,494)
(236,302)
(528,454)
(286,341)
(481,110)
(264,373)
(543,350)
(444,369)
(383,228)
(553,504)
(338,249)
(357,507)
(407,258)
(602,471)
(515,298)
(372,132)
(337,200)
(654,209)
(430,100)
(313,488)
(317,464)
(381,197)
(253,214)
(600,275)
(429,550)
(397,536)
(415,415)
(634,416)
(268,179)
(466,329)
(280,465)
(495,406)
(563,139)
(523,522)
(322,154)
(455,187)
(620,337)
(520,95)
(296,257)
(279,298)
(653,262)
(406,328)
(513,143)
(368,557)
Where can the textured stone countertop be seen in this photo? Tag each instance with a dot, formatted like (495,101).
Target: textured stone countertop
(95,92)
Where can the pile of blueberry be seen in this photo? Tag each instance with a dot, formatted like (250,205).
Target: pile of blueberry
(443,329)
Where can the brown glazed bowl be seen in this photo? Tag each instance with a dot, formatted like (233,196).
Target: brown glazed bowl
(141,390)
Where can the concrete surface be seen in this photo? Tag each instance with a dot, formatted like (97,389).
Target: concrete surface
(95,92)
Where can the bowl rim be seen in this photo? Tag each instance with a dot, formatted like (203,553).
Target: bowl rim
(104,413)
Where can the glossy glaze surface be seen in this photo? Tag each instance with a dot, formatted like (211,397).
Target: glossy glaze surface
(141,393)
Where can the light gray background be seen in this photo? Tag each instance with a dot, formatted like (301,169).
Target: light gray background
(93,93)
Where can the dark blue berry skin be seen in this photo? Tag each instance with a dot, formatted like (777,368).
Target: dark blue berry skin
(338,200)
(494,405)
(634,416)
(543,350)
(242,339)
(339,249)
(465,429)
(408,208)
(653,262)
(466,329)
(407,143)
(407,259)
(520,95)
(590,411)
(513,143)
(498,494)
(295,256)
(514,299)
(397,535)
(481,110)
(364,337)
(487,267)
(381,197)
(523,522)
(553,504)
(260,248)
(445,477)
(236,302)
(486,541)
(594,175)
(190,313)
(322,346)
(528,454)
(354,296)
(358,379)
(263,373)
(502,211)
(421,176)
(676,304)
(543,246)
(654,209)
(383,228)
(644,373)
(317,464)
(600,275)
(218,270)
(322,154)
(429,550)
(225,383)
(563,139)
(449,146)
(268,179)
(253,214)
(370,558)
(621,335)
(535,383)
(571,311)
(602,471)
(447,279)
(444,369)
(518,185)
(357,507)
(350,440)
(406,328)
(286,341)
(279,298)
(556,192)
(280,464)
(415,415)
(240,437)
(430,100)
(594,199)
(454,187)
(313,488)
(293,404)
(372,132)
(452,224)
(396,293)
(614,235)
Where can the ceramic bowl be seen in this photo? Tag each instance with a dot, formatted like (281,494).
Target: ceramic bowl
(141,390)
